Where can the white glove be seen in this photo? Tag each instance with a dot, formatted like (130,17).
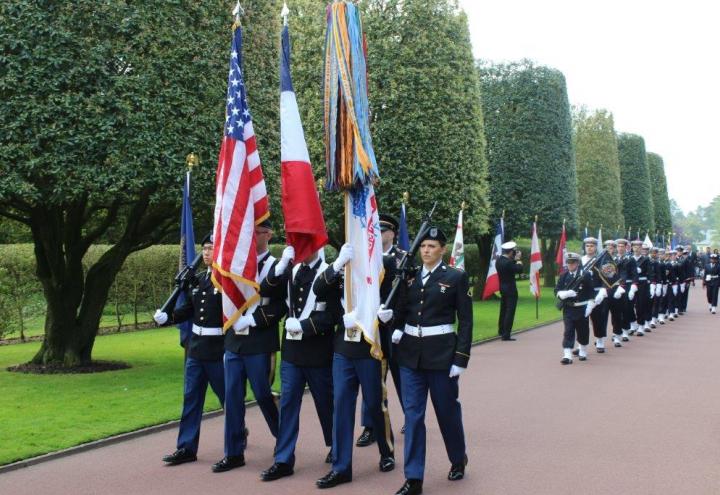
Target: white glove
(708,278)
(160,317)
(396,336)
(589,308)
(350,319)
(455,371)
(565,294)
(602,294)
(293,325)
(633,290)
(287,256)
(384,315)
(345,255)
(244,322)
(653,290)
(659,290)
(674,290)
(619,292)
(682,287)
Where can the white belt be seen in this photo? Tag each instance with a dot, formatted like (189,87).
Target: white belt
(713,276)
(642,278)
(583,303)
(264,301)
(428,331)
(206,331)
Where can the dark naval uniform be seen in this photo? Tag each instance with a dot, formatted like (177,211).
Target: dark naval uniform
(204,363)
(353,368)
(607,276)
(574,320)
(627,267)
(250,356)
(712,282)
(426,352)
(687,276)
(642,298)
(306,361)
(507,269)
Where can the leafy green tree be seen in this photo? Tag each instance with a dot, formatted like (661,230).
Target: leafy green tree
(598,170)
(529,141)
(101,103)
(635,177)
(658,184)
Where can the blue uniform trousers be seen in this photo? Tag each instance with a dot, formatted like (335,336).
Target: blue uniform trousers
(239,368)
(293,379)
(348,376)
(390,364)
(197,376)
(444,395)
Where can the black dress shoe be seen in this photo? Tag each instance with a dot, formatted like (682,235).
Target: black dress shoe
(180,456)
(411,487)
(576,352)
(333,478)
(457,470)
(600,350)
(508,339)
(387,464)
(618,344)
(367,437)
(329,458)
(566,361)
(582,358)
(228,463)
(277,471)
(625,339)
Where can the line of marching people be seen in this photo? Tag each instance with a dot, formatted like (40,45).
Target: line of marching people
(631,286)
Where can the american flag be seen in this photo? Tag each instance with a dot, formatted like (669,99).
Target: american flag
(241,200)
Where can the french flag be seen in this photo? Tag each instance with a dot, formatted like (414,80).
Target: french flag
(304,223)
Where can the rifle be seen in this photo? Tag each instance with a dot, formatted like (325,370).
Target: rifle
(559,304)
(404,266)
(183,280)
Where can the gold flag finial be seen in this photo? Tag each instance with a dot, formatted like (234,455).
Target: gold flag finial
(463,205)
(192,160)
(406,197)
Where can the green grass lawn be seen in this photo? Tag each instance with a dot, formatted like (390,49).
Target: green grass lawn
(43,413)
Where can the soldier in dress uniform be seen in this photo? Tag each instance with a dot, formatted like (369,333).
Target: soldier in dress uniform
(712,282)
(353,368)
(575,288)
(432,356)
(392,256)
(661,291)
(675,279)
(204,363)
(642,300)
(687,276)
(600,305)
(628,273)
(306,355)
(508,265)
(655,279)
(250,349)
(614,282)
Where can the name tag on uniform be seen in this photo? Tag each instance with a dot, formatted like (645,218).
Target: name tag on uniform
(444,287)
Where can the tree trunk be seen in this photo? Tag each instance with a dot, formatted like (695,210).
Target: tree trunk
(549,266)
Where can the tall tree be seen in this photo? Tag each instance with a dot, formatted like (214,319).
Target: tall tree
(635,177)
(531,161)
(598,170)
(101,103)
(658,185)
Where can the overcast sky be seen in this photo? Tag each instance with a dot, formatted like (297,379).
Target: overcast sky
(654,64)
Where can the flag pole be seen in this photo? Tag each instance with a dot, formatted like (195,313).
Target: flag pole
(537,299)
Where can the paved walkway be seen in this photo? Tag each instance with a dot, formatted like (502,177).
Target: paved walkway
(643,419)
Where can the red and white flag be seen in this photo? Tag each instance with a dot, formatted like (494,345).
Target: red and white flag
(492,282)
(457,256)
(535,263)
(304,223)
(241,200)
(561,256)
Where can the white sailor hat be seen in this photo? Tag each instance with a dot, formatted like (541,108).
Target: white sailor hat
(622,241)
(574,257)
(646,245)
(509,245)
(610,242)
(590,240)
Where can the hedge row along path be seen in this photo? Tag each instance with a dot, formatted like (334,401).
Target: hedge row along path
(641,419)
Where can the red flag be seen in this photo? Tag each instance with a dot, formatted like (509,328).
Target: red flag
(304,223)
(241,200)
(561,256)
(492,282)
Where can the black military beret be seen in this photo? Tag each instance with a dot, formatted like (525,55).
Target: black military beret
(265,223)
(435,234)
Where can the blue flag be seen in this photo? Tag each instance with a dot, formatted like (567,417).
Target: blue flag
(403,237)
(187,254)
